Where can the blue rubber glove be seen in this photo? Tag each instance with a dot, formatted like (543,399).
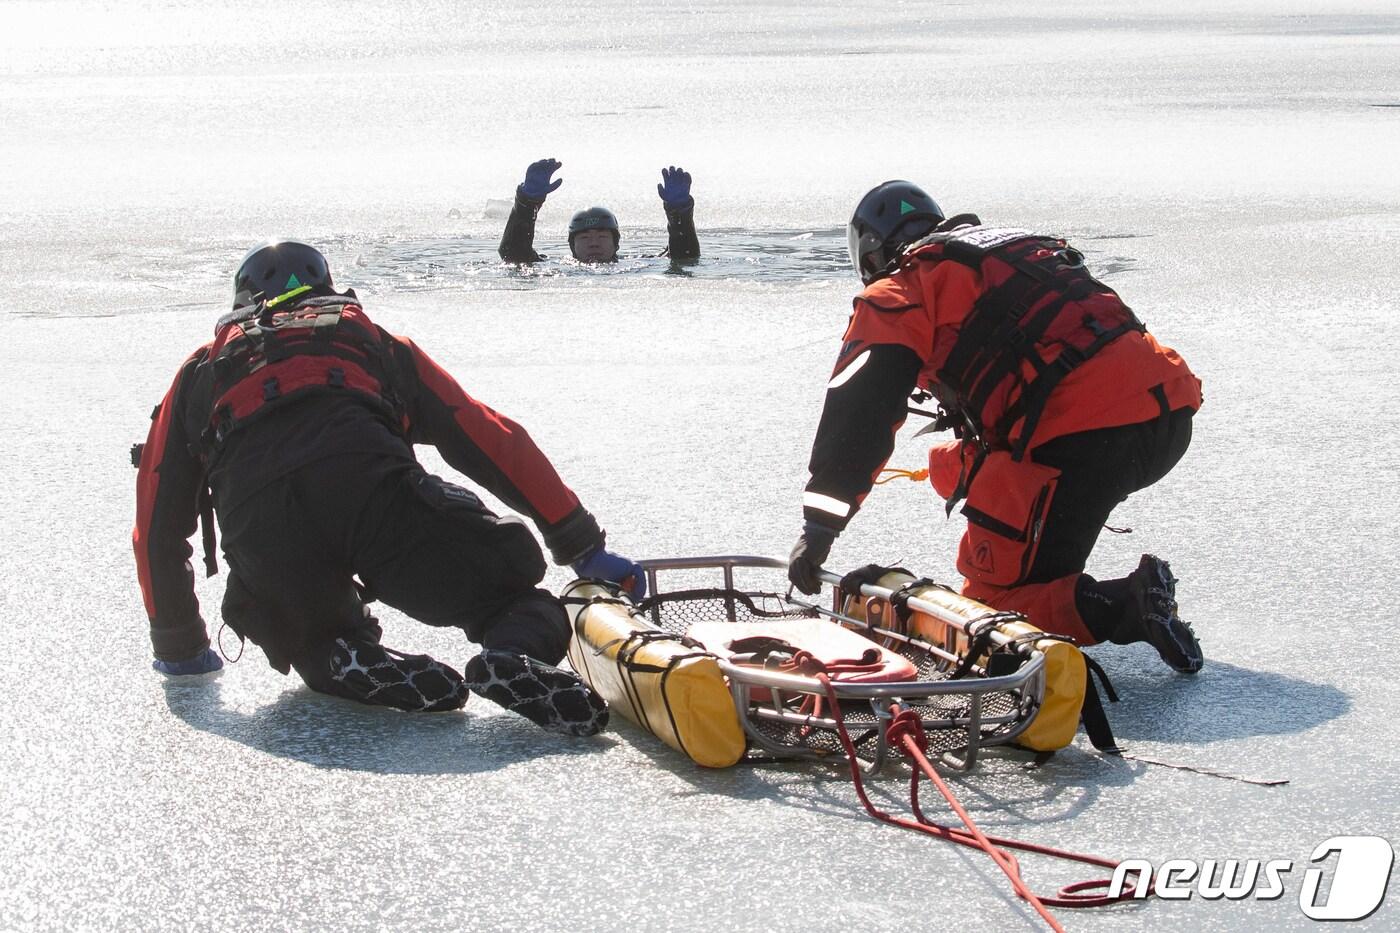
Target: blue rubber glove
(206,662)
(675,187)
(536,185)
(603,564)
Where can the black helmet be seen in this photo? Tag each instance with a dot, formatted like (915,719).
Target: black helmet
(276,267)
(595,218)
(888,218)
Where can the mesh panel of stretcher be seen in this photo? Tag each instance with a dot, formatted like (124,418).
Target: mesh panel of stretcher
(676,612)
(861,725)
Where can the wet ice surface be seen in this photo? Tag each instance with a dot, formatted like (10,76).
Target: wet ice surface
(1231,175)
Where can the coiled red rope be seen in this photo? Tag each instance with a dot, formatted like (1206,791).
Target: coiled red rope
(906,731)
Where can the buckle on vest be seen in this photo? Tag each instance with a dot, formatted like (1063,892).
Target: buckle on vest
(335,377)
(1019,340)
(271,389)
(1068,360)
(1093,326)
(324,326)
(223,422)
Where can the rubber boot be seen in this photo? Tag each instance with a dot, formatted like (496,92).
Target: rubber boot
(1150,615)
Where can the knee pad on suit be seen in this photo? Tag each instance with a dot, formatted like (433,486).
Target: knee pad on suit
(535,625)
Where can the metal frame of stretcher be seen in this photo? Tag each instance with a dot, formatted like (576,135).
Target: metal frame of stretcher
(1019,694)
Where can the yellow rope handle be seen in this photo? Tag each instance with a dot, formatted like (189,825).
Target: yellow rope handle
(915,475)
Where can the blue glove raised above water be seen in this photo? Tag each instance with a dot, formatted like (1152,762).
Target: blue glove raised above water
(675,187)
(206,662)
(536,185)
(603,564)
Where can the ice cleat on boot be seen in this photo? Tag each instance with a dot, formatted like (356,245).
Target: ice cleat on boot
(1153,617)
(551,698)
(381,676)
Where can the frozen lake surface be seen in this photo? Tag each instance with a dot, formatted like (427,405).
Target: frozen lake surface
(1231,174)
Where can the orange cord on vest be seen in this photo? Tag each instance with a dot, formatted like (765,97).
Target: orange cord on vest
(916,475)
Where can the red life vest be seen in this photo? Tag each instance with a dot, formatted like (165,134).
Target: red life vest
(262,359)
(1040,316)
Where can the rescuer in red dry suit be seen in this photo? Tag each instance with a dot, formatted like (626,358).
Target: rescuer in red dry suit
(1063,404)
(296,425)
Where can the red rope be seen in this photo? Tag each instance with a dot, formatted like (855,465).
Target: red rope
(808,665)
(907,731)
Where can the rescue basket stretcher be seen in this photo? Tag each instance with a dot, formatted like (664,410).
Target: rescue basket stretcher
(723,668)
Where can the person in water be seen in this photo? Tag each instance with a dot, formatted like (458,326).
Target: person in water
(296,426)
(593,233)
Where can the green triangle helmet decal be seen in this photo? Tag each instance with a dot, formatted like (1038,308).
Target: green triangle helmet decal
(294,282)
(906,208)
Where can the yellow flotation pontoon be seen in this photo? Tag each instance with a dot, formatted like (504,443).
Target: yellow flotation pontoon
(722,659)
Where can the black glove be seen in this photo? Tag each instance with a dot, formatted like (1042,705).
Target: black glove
(870,575)
(808,555)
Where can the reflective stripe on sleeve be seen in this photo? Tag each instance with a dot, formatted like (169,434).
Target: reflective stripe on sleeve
(815,500)
(845,375)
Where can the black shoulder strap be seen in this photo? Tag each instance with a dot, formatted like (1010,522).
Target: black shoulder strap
(944,231)
(206,527)
(1093,716)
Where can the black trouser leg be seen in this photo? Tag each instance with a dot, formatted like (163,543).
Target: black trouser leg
(291,590)
(423,546)
(536,625)
(436,553)
(290,587)
(1098,470)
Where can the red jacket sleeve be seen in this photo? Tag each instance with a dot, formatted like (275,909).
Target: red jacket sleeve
(168,481)
(496,452)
